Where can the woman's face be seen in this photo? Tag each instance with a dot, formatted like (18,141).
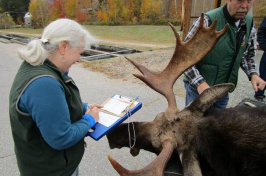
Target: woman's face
(72,56)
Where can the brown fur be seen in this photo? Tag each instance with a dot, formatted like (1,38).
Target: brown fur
(224,142)
(228,141)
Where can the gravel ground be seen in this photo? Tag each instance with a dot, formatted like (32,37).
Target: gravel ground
(109,76)
(120,69)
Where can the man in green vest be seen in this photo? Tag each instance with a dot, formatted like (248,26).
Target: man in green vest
(234,49)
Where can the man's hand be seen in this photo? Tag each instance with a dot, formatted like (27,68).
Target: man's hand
(257,83)
(203,86)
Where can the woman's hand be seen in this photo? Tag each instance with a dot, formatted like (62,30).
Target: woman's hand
(93,110)
(91,106)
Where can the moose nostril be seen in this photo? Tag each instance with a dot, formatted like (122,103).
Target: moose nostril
(134,151)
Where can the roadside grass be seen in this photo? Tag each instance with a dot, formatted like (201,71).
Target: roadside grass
(26,31)
(135,33)
(138,34)
(142,34)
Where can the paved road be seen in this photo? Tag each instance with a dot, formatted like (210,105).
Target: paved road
(94,88)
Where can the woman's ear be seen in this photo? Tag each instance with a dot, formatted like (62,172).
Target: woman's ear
(62,47)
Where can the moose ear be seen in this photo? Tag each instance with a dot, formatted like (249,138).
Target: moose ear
(208,97)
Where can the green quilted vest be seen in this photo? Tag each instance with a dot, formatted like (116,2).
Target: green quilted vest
(34,155)
(222,63)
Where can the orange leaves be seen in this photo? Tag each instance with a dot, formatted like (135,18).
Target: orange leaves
(70,8)
(114,11)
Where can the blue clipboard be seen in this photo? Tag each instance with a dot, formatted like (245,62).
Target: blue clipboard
(99,130)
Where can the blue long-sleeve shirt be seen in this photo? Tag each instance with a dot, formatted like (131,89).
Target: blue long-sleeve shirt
(44,99)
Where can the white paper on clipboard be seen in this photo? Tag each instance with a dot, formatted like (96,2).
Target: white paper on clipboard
(115,106)
(107,119)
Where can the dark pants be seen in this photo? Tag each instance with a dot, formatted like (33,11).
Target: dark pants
(262,71)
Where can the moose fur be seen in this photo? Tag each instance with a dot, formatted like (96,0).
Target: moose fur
(229,142)
(225,142)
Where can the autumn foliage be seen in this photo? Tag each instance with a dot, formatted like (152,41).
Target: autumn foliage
(107,11)
(259,12)
(121,11)
(140,11)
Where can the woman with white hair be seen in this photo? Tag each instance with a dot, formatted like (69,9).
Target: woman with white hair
(48,119)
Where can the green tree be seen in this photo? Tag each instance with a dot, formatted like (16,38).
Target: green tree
(125,12)
(16,8)
(136,9)
(5,20)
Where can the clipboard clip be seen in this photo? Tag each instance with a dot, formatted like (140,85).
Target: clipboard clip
(130,105)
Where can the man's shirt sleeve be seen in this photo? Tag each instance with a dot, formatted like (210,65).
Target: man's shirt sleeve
(248,63)
(193,74)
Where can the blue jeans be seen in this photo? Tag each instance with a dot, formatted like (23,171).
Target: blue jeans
(192,94)
(262,71)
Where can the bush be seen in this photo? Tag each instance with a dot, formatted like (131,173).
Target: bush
(6,21)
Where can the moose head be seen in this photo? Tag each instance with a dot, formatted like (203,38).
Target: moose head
(190,131)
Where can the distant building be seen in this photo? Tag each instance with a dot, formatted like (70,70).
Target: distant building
(27,19)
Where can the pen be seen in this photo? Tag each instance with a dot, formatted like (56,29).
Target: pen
(133,101)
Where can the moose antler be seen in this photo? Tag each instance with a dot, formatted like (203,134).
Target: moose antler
(186,54)
(152,168)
